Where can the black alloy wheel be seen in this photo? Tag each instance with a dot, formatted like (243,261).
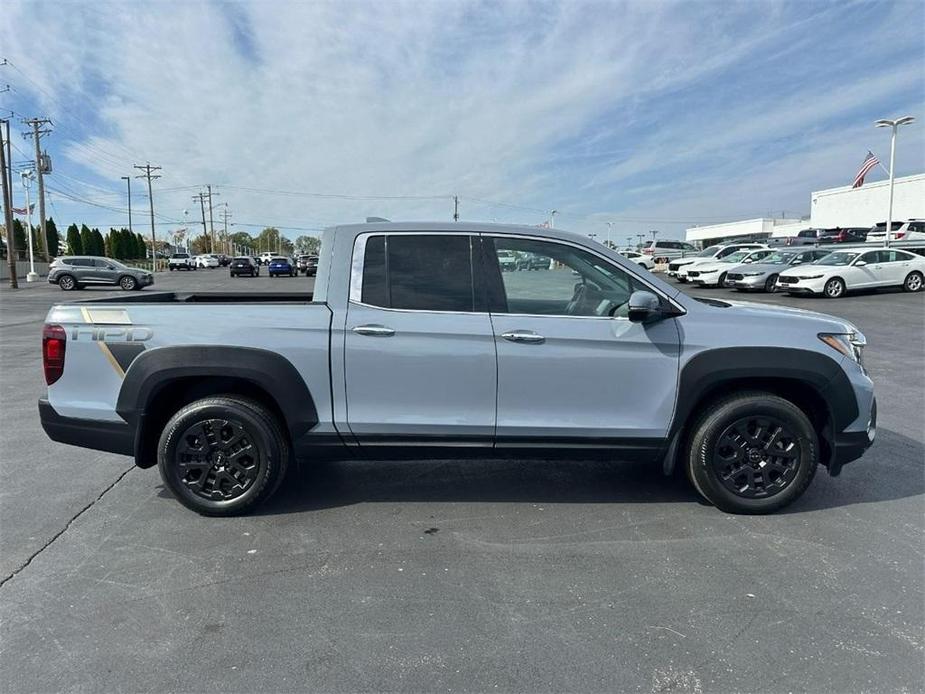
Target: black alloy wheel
(756,457)
(223,455)
(753,452)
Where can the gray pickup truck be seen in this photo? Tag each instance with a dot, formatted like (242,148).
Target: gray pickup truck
(415,344)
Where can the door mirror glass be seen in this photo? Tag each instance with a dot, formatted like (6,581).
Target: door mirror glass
(643,306)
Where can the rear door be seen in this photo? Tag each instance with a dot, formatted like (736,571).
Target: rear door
(569,373)
(419,359)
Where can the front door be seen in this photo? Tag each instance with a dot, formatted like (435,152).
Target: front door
(572,369)
(419,360)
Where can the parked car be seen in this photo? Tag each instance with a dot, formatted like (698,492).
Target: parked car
(842,271)
(244,265)
(664,250)
(806,237)
(714,274)
(265,257)
(399,348)
(846,235)
(532,261)
(640,259)
(79,271)
(207,261)
(678,268)
(762,275)
(280,265)
(223,260)
(181,261)
(507,261)
(913,230)
(307,264)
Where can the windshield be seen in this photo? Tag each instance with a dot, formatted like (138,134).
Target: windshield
(736,257)
(708,252)
(778,258)
(838,258)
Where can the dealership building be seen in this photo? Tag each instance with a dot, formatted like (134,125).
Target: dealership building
(835,207)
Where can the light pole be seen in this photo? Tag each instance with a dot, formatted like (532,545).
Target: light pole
(552,219)
(654,233)
(128,181)
(592,236)
(893,124)
(27,177)
(609,234)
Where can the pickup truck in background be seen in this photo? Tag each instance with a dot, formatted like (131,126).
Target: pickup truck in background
(415,344)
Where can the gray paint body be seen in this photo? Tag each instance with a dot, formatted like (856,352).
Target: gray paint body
(450,375)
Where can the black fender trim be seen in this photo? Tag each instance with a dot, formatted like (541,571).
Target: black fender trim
(155,368)
(712,371)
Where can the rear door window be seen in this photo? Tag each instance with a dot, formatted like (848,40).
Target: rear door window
(419,272)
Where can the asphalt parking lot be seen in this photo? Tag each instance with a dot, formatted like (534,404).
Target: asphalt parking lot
(461,576)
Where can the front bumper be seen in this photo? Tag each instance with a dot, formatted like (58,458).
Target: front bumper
(851,445)
(802,286)
(112,437)
(756,282)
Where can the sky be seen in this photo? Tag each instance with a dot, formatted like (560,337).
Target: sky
(648,115)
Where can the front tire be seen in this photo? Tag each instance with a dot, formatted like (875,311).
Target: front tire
(752,453)
(913,282)
(223,455)
(770,286)
(128,284)
(834,288)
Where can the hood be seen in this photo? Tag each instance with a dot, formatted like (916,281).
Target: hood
(761,267)
(764,312)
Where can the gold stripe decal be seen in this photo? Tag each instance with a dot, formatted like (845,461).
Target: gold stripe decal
(104,348)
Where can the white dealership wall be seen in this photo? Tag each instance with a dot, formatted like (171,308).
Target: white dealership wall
(867,205)
(835,207)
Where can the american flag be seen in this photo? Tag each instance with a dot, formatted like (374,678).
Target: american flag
(870,161)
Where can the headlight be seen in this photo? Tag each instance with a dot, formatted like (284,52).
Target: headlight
(751,274)
(810,277)
(850,344)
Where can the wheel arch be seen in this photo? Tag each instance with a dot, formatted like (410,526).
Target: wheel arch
(813,381)
(161,381)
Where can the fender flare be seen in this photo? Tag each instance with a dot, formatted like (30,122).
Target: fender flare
(156,368)
(709,371)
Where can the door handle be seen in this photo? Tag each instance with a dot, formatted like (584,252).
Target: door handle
(374,330)
(523,336)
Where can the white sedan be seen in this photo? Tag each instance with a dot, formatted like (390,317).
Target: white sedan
(838,272)
(640,259)
(208,261)
(713,274)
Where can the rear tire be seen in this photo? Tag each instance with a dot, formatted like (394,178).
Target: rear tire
(67,283)
(223,455)
(752,453)
(913,282)
(834,288)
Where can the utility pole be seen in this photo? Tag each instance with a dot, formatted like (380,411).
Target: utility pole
(226,215)
(201,197)
(128,180)
(455,208)
(147,168)
(37,132)
(211,223)
(8,208)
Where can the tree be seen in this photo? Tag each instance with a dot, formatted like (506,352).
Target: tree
(86,240)
(141,250)
(99,246)
(107,243)
(74,243)
(240,240)
(19,238)
(53,240)
(310,245)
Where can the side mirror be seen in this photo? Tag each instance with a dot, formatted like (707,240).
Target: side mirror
(860,263)
(797,262)
(748,260)
(643,306)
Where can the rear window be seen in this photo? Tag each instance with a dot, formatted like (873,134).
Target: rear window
(280,260)
(180,255)
(242,260)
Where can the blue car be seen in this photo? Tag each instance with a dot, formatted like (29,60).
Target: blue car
(282,266)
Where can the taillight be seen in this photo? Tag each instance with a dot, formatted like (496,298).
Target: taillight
(54,344)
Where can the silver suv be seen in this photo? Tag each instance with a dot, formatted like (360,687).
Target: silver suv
(77,271)
(663,250)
